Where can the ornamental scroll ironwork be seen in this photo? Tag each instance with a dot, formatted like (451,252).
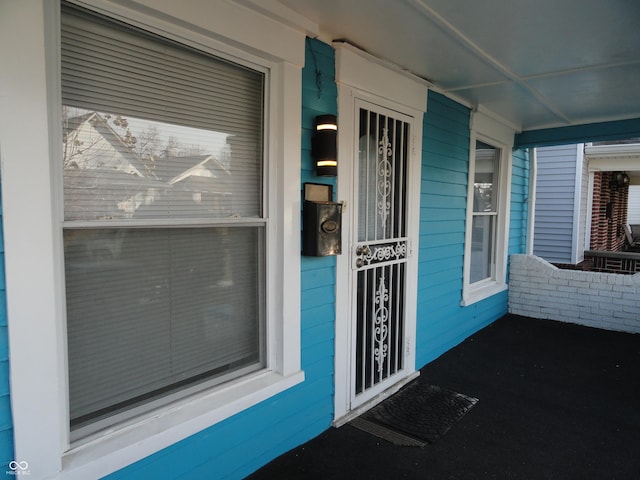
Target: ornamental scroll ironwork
(381,253)
(380,321)
(384,170)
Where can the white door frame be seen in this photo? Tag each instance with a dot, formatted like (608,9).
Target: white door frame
(361,76)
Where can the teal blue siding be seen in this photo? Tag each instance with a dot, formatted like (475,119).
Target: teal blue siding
(241,444)
(519,202)
(319,94)
(441,322)
(6,422)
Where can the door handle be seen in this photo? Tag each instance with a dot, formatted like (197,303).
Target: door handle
(362,252)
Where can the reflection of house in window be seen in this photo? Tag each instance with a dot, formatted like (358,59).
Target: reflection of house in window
(199,183)
(90,143)
(102,164)
(103,160)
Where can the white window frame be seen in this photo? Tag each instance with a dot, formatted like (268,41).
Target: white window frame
(32,215)
(490,130)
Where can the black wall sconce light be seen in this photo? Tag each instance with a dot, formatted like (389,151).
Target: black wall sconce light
(324,145)
(620,179)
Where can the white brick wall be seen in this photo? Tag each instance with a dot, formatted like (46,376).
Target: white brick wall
(603,300)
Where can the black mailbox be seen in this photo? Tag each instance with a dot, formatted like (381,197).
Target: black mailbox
(321,222)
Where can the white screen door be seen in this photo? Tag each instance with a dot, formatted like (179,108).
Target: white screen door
(379,251)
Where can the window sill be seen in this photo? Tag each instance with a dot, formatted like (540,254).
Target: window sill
(476,293)
(120,446)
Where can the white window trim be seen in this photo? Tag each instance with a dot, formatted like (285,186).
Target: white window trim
(488,129)
(30,142)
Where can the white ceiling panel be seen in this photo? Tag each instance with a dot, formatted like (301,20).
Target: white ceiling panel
(543,36)
(603,94)
(374,27)
(539,64)
(513,103)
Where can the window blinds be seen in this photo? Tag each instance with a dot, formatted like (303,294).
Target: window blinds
(157,131)
(150,308)
(154,129)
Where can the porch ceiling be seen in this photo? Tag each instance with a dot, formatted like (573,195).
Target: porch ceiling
(537,64)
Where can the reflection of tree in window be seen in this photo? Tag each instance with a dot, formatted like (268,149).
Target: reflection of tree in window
(128,166)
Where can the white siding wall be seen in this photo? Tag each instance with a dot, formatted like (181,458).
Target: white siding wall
(555,203)
(603,300)
(581,239)
(634,205)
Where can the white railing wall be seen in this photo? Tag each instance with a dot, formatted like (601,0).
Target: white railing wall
(603,300)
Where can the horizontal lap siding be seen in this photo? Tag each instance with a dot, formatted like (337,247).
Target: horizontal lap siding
(442,323)
(241,444)
(633,213)
(555,196)
(519,202)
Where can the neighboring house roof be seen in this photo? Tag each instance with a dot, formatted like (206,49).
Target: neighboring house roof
(615,156)
(174,169)
(102,164)
(92,143)
(635,140)
(205,174)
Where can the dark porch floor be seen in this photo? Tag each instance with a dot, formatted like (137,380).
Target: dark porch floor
(556,401)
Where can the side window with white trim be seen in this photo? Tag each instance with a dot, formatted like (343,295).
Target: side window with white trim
(486,188)
(486,235)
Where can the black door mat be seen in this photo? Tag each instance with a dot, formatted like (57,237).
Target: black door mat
(415,416)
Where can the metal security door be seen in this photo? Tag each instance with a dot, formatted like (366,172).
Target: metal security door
(380,252)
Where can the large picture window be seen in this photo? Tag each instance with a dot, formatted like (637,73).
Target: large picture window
(153,252)
(164,225)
